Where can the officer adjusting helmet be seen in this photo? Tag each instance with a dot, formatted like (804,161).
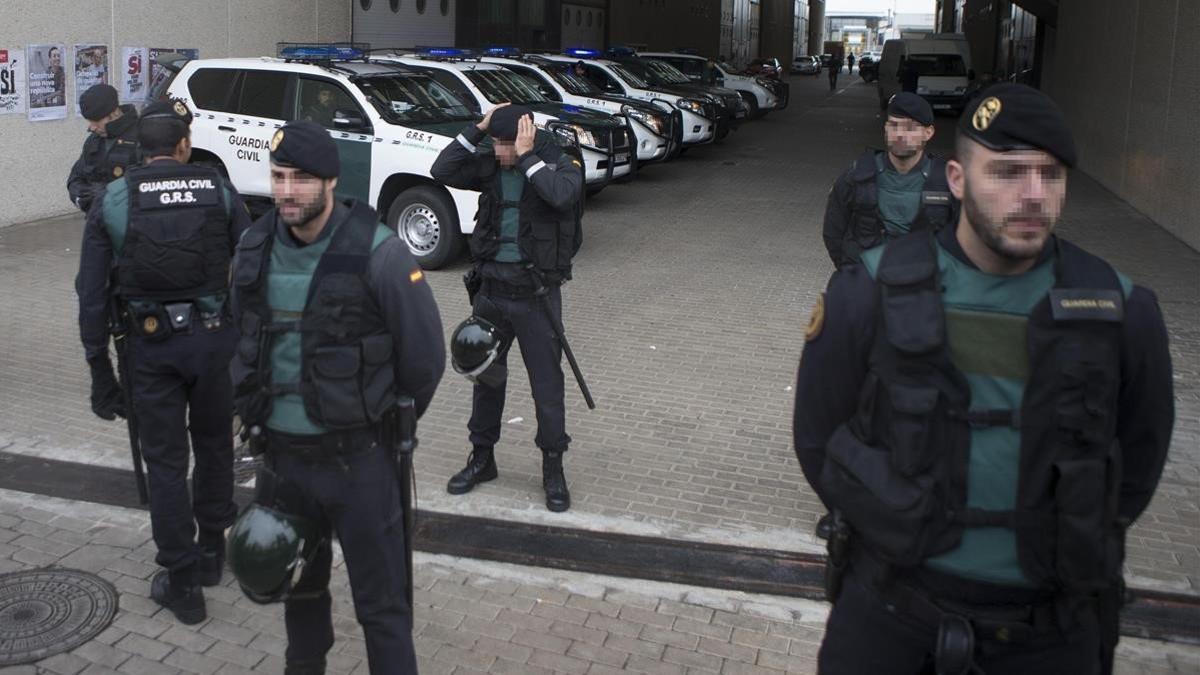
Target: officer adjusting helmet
(266,547)
(475,347)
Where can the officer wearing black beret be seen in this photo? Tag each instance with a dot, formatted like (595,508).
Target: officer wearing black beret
(111,147)
(337,325)
(986,409)
(885,194)
(153,273)
(524,239)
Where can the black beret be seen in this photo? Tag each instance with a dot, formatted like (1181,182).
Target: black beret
(1018,117)
(908,104)
(503,126)
(306,146)
(171,109)
(98,101)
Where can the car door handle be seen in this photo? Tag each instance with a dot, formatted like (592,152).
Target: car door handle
(225,128)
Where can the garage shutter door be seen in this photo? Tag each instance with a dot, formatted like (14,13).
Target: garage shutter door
(404,23)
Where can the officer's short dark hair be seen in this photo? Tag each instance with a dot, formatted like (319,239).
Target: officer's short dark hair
(963,147)
(160,136)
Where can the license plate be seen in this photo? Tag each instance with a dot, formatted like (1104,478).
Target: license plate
(941,106)
(622,158)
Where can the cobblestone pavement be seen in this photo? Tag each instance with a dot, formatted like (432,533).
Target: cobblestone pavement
(470,616)
(686,313)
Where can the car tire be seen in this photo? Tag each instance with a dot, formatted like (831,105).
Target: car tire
(752,103)
(426,221)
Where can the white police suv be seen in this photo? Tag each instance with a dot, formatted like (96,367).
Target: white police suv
(699,114)
(657,132)
(389,122)
(759,92)
(604,140)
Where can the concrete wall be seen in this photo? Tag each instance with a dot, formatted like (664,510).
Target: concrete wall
(1127,75)
(37,157)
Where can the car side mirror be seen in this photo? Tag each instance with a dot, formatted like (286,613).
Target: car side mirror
(349,120)
(549,92)
(610,87)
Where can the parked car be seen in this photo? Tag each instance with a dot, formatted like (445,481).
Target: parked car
(768,67)
(761,95)
(806,65)
(868,66)
(389,123)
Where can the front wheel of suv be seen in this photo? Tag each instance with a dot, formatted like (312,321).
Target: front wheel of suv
(426,221)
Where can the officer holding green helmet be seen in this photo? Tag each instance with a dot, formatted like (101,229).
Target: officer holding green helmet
(986,410)
(337,325)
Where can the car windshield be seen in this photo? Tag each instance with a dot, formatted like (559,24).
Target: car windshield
(690,67)
(501,86)
(630,77)
(574,84)
(666,72)
(412,98)
(938,64)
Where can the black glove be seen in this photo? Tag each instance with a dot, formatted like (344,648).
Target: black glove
(107,402)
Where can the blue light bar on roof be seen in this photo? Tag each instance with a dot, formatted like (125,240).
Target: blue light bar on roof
(444,51)
(318,52)
(503,51)
(582,53)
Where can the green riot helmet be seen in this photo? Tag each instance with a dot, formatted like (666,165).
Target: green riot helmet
(266,547)
(475,350)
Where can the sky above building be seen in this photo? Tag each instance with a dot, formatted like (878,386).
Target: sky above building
(880,6)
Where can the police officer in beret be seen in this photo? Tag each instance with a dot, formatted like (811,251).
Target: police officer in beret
(111,147)
(885,194)
(524,239)
(156,253)
(986,408)
(337,322)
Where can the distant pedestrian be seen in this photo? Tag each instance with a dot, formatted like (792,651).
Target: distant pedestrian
(850,64)
(835,67)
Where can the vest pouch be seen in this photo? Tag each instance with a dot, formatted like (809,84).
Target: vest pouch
(335,375)
(545,245)
(909,426)
(249,268)
(893,513)
(914,320)
(379,377)
(171,257)
(1081,522)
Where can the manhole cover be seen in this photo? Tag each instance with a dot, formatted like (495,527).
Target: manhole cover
(49,611)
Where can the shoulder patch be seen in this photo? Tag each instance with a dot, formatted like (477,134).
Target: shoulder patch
(576,163)
(816,320)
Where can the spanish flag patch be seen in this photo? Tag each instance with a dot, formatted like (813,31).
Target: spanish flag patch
(416,275)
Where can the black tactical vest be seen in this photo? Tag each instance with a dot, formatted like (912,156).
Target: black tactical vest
(347,379)
(867,231)
(546,237)
(898,469)
(177,240)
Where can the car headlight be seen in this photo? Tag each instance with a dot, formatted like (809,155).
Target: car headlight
(655,122)
(691,105)
(762,82)
(585,135)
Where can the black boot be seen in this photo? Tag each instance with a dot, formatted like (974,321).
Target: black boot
(558,498)
(185,600)
(304,666)
(481,467)
(212,559)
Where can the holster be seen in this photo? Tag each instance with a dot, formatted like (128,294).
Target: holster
(473,281)
(837,560)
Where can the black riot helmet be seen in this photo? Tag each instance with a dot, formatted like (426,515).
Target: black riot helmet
(266,548)
(475,350)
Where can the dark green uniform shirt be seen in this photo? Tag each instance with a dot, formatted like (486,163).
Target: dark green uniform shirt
(512,184)
(899,194)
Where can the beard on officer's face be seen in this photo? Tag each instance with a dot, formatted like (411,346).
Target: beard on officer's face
(296,211)
(1020,234)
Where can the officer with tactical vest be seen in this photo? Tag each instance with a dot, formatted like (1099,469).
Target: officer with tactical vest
(337,325)
(525,235)
(986,409)
(885,194)
(111,148)
(156,256)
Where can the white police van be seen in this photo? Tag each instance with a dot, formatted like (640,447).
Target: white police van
(604,140)
(698,113)
(656,131)
(389,123)
(759,92)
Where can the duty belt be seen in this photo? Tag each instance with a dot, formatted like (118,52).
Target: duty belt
(329,447)
(1024,615)
(500,288)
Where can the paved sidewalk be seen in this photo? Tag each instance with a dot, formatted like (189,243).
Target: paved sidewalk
(470,616)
